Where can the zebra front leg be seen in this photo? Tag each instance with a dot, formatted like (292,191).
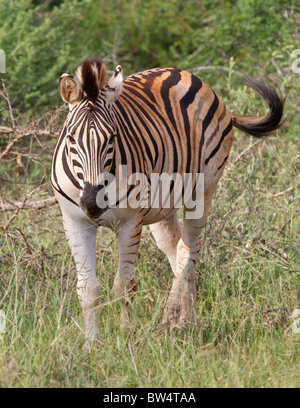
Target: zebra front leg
(129,236)
(81,236)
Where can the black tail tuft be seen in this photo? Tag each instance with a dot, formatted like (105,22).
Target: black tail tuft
(262,126)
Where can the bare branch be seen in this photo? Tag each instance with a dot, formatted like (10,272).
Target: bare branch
(280,193)
(5,95)
(10,145)
(248,149)
(22,134)
(31,132)
(46,127)
(24,144)
(21,205)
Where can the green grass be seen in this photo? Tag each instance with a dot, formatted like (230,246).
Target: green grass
(247,279)
(248,272)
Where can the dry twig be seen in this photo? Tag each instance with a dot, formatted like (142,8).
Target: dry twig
(26,143)
(23,205)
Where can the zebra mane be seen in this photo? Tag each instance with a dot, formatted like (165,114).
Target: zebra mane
(91,75)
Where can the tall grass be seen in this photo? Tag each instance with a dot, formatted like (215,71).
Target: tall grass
(247,278)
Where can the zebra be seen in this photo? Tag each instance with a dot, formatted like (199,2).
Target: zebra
(162,121)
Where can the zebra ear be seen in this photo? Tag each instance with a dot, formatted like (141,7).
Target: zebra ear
(69,89)
(114,86)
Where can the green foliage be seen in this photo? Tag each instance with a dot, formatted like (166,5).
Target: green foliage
(38,49)
(248,272)
(44,39)
(247,279)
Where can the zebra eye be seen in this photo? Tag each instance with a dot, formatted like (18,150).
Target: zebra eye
(71,139)
(112,137)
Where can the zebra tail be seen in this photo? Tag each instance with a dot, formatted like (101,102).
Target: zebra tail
(262,126)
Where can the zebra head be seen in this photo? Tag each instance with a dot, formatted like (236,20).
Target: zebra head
(90,128)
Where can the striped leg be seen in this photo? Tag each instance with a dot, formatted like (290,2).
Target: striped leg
(129,236)
(187,256)
(167,233)
(81,236)
(181,307)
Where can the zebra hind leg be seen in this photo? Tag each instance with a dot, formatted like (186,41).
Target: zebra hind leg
(181,303)
(182,255)
(181,306)
(167,234)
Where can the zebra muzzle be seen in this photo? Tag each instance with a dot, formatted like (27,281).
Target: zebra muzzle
(88,201)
